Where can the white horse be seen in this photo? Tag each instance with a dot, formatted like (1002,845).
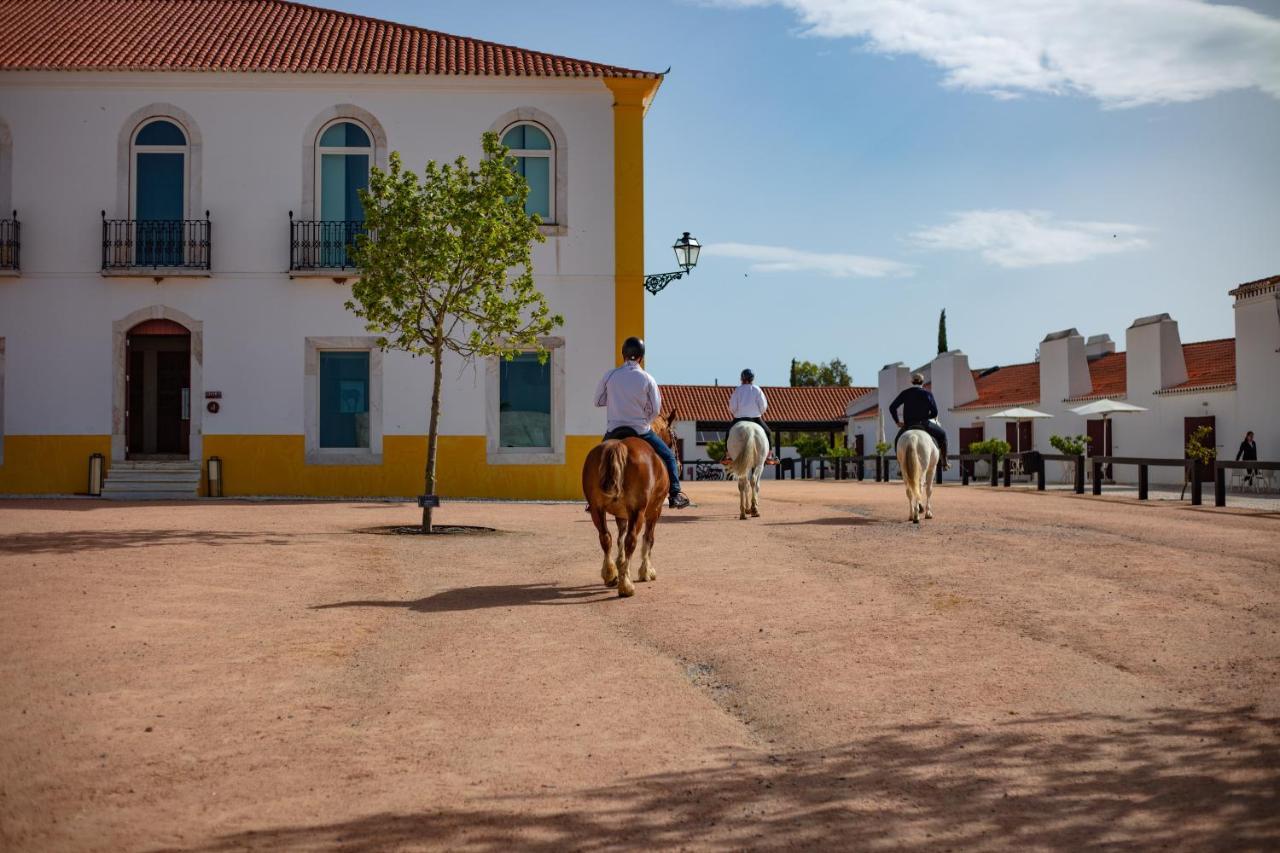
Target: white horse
(918,461)
(748,447)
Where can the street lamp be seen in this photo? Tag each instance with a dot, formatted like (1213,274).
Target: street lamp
(687,250)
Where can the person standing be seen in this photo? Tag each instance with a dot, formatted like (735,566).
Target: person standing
(1249,453)
(748,403)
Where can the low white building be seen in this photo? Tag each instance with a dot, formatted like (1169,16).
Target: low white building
(1231,385)
(185,180)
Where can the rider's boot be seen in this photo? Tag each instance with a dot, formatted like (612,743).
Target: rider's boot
(678,500)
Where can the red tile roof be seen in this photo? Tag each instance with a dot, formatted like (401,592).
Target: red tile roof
(1108,375)
(253,35)
(1253,288)
(1209,363)
(1014,385)
(807,404)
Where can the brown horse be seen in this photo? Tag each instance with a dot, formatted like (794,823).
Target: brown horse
(626,479)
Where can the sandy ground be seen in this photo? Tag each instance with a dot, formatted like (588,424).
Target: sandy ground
(1025,672)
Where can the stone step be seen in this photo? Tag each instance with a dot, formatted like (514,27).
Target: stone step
(149,496)
(114,484)
(167,473)
(131,465)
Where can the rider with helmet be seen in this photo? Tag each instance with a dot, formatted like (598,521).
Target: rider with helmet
(918,411)
(632,400)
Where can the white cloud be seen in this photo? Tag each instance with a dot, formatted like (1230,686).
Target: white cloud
(1122,52)
(783,259)
(1030,238)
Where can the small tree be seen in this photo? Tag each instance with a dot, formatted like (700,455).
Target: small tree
(883,447)
(808,373)
(942,332)
(716,449)
(1070,445)
(450,268)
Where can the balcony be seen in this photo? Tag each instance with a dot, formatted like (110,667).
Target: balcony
(10,244)
(155,247)
(322,247)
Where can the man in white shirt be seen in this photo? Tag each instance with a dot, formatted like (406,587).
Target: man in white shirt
(748,403)
(631,398)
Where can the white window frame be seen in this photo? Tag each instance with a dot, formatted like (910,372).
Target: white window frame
(317,455)
(496,454)
(184,150)
(547,154)
(321,150)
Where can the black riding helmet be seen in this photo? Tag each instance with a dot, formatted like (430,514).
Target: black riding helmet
(748,375)
(633,347)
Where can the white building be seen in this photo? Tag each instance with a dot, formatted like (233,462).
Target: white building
(1231,385)
(185,180)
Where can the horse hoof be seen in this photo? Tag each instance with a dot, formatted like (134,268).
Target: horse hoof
(626,592)
(915,521)
(755,513)
(928,515)
(611,583)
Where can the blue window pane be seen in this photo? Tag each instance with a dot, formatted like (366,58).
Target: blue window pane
(342,176)
(159,209)
(524,402)
(537,171)
(345,135)
(344,399)
(161,133)
(526,137)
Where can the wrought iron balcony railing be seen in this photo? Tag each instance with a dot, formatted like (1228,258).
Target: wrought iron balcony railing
(10,243)
(132,244)
(323,244)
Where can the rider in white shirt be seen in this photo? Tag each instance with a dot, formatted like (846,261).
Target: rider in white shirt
(748,403)
(631,400)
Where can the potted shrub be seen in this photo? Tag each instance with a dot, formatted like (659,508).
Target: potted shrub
(998,446)
(716,450)
(1070,445)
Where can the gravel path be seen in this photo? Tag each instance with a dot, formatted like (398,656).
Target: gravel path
(1025,672)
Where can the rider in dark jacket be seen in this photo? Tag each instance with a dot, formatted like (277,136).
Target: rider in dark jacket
(918,410)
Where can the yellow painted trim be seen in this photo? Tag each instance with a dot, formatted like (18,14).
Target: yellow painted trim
(276,465)
(50,464)
(631,98)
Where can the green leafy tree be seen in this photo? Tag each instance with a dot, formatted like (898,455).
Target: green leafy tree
(808,373)
(883,447)
(450,269)
(1070,445)
(716,449)
(809,445)
(998,446)
(942,332)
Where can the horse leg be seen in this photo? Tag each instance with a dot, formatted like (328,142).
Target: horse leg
(608,572)
(620,560)
(646,545)
(755,492)
(928,488)
(627,547)
(744,483)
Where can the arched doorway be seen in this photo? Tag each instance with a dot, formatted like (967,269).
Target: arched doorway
(158,390)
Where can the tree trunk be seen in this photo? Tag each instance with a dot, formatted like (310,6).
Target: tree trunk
(432,427)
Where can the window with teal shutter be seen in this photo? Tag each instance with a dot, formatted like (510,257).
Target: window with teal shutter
(524,402)
(344,399)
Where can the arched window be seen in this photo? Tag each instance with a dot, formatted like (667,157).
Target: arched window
(344,153)
(535,157)
(159,198)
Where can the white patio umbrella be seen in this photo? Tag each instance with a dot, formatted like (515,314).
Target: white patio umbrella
(1106,408)
(1019,414)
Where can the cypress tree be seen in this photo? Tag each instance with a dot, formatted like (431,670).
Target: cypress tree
(942,332)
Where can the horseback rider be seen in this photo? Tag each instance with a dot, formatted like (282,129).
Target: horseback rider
(748,403)
(918,411)
(632,400)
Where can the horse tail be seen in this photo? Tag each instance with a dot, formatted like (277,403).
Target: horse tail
(613,459)
(909,460)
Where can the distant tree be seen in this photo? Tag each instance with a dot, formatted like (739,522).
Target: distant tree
(942,332)
(808,373)
(450,268)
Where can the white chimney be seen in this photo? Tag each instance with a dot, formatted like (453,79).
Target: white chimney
(892,379)
(1064,368)
(1257,314)
(952,380)
(1098,345)
(1154,358)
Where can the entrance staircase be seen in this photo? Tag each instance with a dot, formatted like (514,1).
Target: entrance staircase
(148,480)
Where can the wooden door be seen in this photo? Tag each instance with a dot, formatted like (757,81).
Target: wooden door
(858,446)
(969,435)
(1099,441)
(173,404)
(1189,425)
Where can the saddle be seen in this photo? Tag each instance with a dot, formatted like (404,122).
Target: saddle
(621,433)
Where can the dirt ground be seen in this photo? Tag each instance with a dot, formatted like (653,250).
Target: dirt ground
(1025,672)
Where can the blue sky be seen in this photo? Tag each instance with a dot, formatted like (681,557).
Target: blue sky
(853,169)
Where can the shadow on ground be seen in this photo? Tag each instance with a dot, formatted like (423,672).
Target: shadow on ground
(93,540)
(833,521)
(482,597)
(1172,778)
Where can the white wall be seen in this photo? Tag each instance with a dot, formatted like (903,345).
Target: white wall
(57,316)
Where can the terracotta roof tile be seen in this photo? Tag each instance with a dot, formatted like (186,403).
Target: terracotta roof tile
(807,404)
(1108,375)
(1013,385)
(1209,363)
(253,35)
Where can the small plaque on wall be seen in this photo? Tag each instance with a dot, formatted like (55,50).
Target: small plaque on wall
(213,395)
(425,501)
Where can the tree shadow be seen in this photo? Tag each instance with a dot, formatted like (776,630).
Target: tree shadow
(483,597)
(1176,778)
(70,542)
